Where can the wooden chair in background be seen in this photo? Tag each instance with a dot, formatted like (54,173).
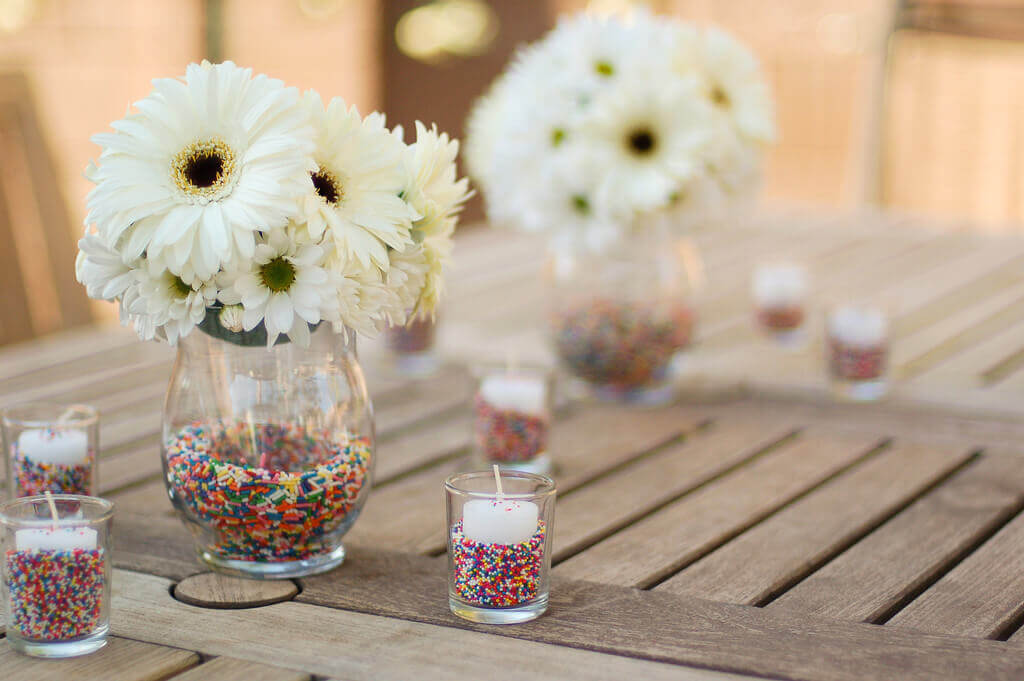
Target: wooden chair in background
(38,291)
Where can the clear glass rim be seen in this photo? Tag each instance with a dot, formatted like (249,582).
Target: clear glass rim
(545,485)
(106,506)
(18,415)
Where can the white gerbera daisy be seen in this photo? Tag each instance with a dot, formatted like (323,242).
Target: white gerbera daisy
(404,281)
(100,269)
(169,302)
(432,188)
(651,136)
(356,184)
(284,286)
(733,83)
(204,164)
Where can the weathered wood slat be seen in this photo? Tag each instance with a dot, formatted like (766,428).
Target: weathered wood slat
(887,568)
(308,637)
(767,559)
(663,543)
(675,628)
(120,660)
(235,669)
(409,513)
(585,516)
(982,596)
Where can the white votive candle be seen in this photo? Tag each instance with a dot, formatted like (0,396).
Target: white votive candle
(499,521)
(779,285)
(63,446)
(858,326)
(55,539)
(514,392)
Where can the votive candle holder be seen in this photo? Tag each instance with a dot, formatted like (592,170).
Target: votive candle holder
(779,292)
(857,351)
(512,413)
(412,346)
(499,545)
(50,447)
(56,573)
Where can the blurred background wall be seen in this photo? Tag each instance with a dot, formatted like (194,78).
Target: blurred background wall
(912,104)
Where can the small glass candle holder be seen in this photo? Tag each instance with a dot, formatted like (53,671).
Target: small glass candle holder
(412,346)
(56,573)
(857,348)
(499,545)
(779,292)
(512,418)
(50,448)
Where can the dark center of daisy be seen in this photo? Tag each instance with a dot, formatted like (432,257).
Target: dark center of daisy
(720,97)
(204,168)
(641,141)
(327,186)
(278,274)
(604,68)
(581,204)
(179,289)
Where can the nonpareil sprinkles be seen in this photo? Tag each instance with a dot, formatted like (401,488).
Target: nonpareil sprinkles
(33,478)
(497,575)
(505,435)
(416,336)
(55,595)
(302,487)
(621,344)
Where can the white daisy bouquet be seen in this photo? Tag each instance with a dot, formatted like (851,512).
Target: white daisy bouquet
(608,119)
(233,203)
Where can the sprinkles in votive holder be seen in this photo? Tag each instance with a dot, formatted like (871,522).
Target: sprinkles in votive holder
(857,351)
(56,573)
(512,417)
(499,545)
(779,292)
(50,448)
(412,346)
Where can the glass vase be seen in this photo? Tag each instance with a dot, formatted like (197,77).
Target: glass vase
(620,318)
(268,453)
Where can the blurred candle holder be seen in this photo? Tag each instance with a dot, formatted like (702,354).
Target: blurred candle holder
(779,292)
(412,347)
(512,417)
(56,573)
(857,348)
(499,545)
(50,447)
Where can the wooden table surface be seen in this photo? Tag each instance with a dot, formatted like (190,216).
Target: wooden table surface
(753,529)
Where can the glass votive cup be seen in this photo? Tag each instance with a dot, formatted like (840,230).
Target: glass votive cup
(412,346)
(779,293)
(56,573)
(512,410)
(857,352)
(50,448)
(499,546)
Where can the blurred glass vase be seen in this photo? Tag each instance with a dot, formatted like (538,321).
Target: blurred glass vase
(620,317)
(268,452)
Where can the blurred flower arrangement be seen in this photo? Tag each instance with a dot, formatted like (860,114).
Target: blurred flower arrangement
(608,119)
(231,202)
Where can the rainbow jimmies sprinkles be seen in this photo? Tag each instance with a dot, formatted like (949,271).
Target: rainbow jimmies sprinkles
(302,488)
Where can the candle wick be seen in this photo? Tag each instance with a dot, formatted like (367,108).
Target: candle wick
(53,508)
(497,481)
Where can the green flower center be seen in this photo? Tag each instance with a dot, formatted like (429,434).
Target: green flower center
(641,141)
(327,186)
(604,68)
(557,136)
(278,274)
(179,289)
(580,204)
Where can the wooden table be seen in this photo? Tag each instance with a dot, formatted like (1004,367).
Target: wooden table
(754,529)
